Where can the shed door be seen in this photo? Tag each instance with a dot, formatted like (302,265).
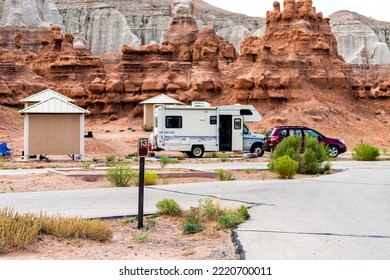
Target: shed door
(237,133)
(54,134)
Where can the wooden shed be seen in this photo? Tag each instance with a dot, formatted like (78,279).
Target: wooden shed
(42,96)
(149,103)
(53,127)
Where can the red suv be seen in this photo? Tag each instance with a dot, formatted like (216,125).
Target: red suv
(277,134)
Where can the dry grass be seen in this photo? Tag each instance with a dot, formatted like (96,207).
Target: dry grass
(17,231)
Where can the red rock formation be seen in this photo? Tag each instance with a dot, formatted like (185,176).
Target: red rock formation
(298,50)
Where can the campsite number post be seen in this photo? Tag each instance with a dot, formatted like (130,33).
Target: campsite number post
(142,153)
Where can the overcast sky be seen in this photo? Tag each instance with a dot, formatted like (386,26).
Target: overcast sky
(378,9)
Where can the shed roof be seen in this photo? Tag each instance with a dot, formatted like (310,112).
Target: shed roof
(44,95)
(53,105)
(161,99)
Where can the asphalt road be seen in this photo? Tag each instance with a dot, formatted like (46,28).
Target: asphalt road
(343,216)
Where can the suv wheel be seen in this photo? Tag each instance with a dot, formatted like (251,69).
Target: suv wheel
(334,151)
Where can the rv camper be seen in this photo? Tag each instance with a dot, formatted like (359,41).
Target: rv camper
(201,128)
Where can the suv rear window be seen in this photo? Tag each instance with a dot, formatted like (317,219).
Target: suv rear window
(270,132)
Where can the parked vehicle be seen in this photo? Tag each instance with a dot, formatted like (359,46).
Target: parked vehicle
(201,128)
(277,134)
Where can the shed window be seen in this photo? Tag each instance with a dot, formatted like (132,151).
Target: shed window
(173,122)
(213,119)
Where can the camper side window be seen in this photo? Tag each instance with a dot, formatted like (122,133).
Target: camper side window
(237,123)
(213,119)
(173,122)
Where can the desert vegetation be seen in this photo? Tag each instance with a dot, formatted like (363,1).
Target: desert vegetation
(289,158)
(18,231)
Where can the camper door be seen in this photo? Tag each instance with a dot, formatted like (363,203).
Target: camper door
(237,135)
(230,133)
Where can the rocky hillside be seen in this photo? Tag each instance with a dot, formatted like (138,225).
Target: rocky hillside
(361,40)
(103,20)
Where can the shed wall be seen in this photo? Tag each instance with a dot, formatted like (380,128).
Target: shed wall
(148,114)
(54,134)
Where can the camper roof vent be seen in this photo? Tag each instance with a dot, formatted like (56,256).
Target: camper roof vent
(200,104)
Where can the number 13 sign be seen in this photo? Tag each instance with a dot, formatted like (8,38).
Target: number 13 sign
(143,147)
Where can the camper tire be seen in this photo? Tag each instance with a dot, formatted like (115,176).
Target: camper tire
(258,149)
(197,151)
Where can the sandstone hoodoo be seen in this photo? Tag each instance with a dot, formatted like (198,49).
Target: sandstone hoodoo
(298,50)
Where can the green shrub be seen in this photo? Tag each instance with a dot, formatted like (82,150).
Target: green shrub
(193,226)
(225,175)
(311,161)
(150,178)
(110,158)
(244,212)
(164,160)
(209,210)
(85,164)
(365,152)
(284,166)
(120,175)
(291,146)
(223,157)
(229,219)
(315,154)
(169,206)
(142,237)
(147,127)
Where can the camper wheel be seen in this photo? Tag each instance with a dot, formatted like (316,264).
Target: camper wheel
(197,151)
(257,148)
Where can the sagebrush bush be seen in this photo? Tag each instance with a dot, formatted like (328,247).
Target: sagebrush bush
(365,152)
(120,175)
(284,166)
(169,206)
(225,175)
(17,231)
(75,227)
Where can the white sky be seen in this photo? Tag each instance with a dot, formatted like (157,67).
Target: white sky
(378,9)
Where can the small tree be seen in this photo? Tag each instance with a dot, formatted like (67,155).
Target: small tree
(313,157)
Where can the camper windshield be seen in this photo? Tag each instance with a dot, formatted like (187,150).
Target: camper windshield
(246,130)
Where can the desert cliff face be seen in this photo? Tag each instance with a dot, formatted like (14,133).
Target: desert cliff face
(293,74)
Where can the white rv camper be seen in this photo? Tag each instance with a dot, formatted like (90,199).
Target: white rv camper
(201,128)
